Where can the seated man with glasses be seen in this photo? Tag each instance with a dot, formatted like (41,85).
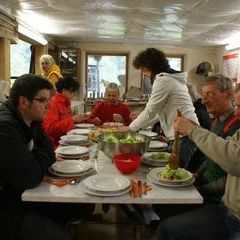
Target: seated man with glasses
(26,154)
(215,221)
(59,119)
(217,95)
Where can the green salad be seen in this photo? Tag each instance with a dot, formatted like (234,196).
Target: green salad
(170,174)
(128,139)
(111,138)
(160,156)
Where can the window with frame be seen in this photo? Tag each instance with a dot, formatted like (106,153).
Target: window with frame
(176,62)
(103,68)
(20,59)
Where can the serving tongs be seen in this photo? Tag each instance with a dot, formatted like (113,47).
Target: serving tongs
(174,157)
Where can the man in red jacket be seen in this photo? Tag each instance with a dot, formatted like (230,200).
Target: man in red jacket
(111,109)
(59,119)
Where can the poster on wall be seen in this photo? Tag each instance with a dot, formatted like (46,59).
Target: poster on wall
(230,66)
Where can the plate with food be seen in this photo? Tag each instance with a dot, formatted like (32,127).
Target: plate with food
(112,124)
(166,175)
(94,134)
(156,158)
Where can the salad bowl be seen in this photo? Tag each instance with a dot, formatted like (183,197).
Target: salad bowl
(123,142)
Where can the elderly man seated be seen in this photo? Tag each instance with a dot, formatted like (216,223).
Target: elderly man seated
(111,109)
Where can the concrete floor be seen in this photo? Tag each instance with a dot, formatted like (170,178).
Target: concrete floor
(113,225)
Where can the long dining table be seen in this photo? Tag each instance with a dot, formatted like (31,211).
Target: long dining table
(103,165)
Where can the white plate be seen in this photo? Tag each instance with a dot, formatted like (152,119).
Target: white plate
(74,138)
(71,166)
(72,157)
(63,143)
(156,164)
(157,182)
(103,194)
(71,150)
(148,133)
(87,172)
(153,174)
(107,182)
(79,131)
(147,157)
(157,144)
(84,125)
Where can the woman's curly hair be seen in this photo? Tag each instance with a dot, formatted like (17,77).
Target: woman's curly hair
(154,60)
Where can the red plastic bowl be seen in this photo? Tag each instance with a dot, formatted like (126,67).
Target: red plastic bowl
(127,163)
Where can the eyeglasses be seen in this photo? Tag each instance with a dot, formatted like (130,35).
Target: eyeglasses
(42,100)
(209,95)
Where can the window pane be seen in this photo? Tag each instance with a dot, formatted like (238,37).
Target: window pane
(175,63)
(20,59)
(103,69)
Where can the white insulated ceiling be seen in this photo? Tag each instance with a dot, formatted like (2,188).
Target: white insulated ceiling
(166,22)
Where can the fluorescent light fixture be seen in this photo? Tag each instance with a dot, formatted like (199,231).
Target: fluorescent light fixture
(233,42)
(35,36)
(232,46)
(64,55)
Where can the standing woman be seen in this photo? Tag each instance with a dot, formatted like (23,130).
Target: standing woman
(49,68)
(169,93)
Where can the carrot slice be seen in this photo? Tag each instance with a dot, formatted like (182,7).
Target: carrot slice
(139,183)
(135,190)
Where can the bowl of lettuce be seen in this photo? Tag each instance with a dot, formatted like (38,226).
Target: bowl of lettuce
(123,142)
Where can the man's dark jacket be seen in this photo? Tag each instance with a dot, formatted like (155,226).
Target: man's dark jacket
(25,155)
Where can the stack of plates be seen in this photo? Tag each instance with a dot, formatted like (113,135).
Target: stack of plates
(71,168)
(106,185)
(155,145)
(153,177)
(156,158)
(73,140)
(72,152)
(84,125)
(79,131)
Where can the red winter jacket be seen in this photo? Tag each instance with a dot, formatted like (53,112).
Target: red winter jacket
(104,110)
(58,119)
